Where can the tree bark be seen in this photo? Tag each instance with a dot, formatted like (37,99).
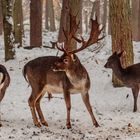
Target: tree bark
(63,21)
(80,17)
(93,11)
(135,14)
(105,15)
(86,21)
(139,23)
(35,23)
(47,15)
(7,26)
(1,22)
(74,7)
(121,32)
(98,13)
(51,16)
(18,22)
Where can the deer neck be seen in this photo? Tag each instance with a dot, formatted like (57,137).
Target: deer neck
(76,74)
(118,69)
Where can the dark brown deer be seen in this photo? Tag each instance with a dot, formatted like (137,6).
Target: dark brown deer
(63,74)
(4,83)
(130,76)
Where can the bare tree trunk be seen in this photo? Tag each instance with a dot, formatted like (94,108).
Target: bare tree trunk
(18,22)
(139,23)
(74,7)
(80,17)
(98,13)
(7,26)
(35,23)
(105,15)
(121,32)
(86,20)
(109,28)
(51,16)
(46,15)
(135,14)
(93,10)
(1,22)
(63,21)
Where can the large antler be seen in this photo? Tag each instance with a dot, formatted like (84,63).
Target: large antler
(69,35)
(72,31)
(94,36)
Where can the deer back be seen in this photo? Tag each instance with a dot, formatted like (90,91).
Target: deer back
(55,75)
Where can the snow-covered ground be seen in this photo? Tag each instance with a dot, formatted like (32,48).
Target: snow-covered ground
(111,106)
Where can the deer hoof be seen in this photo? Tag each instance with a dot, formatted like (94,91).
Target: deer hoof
(96,124)
(44,123)
(135,109)
(0,125)
(68,126)
(38,124)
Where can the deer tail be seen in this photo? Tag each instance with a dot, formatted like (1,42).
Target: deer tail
(24,71)
(4,82)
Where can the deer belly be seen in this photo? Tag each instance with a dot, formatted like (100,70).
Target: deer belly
(53,89)
(79,89)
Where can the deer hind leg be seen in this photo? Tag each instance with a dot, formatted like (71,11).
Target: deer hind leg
(135,92)
(39,111)
(68,106)
(0,122)
(85,98)
(32,102)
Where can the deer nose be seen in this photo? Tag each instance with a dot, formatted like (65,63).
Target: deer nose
(105,65)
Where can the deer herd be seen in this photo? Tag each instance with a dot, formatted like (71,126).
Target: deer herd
(66,74)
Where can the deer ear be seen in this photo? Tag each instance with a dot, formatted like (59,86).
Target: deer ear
(120,54)
(115,53)
(73,57)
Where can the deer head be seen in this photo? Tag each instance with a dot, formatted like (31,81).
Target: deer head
(115,57)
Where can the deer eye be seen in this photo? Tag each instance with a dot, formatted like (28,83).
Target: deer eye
(65,61)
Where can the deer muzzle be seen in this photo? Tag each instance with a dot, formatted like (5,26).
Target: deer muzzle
(106,65)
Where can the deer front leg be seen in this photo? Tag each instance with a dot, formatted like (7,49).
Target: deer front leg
(0,123)
(85,98)
(68,106)
(40,114)
(135,91)
(32,102)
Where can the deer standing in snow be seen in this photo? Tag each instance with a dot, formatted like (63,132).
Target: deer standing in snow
(63,74)
(130,76)
(4,83)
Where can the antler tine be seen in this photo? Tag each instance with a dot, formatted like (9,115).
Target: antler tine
(73,29)
(65,33)
(94,34)
(61,48)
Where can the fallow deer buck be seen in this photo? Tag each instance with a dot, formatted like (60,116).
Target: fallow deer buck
(130,76)
(5,81)
(63,74)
